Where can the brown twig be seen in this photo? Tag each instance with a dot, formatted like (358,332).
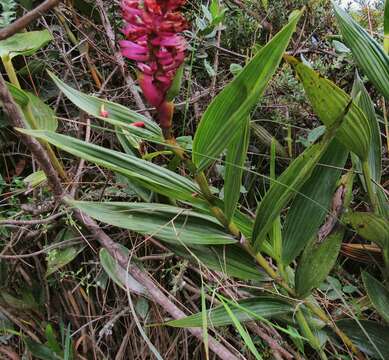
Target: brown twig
(105,241)
(27,19)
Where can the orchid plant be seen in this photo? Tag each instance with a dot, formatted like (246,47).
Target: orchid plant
(218,232)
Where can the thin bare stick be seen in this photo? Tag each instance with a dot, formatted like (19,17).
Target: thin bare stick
(27,19)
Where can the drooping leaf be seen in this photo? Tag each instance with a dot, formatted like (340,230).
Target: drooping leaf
(373,339)
(263,307)
(235,159)
(316,262)
(164,222)
(283,189)
(229,259)
(26,43)
(111,112)
(118,275)
(147,174)
(370,226)
(328,102)
(309,208)
(367,52)
(58,258)
(229,110)
(378,294)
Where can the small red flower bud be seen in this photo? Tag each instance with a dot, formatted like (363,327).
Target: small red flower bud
(104,113)
(140,124)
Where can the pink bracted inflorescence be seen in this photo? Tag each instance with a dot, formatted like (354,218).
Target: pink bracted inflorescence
(153,41)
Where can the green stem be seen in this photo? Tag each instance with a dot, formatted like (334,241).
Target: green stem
(10,70)
(307,332)
(369,187)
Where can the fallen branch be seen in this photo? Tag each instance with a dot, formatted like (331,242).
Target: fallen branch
(105,241)
(27,19)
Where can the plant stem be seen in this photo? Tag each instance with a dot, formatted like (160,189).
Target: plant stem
(10,70)
(370,191)
(307,332)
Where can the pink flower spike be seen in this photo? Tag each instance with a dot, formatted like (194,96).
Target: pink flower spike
(150,91)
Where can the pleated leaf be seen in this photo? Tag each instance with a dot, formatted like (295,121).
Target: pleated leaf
(235,159)
(309,208)
(316,263)
(229,110)
(367,52)
(372,338)
(111,112)
(255,308)
(378,295)
(365,103)
(283,189)
(229,259)
(147,174)
(370,226)
(168,223)
(44,116)
(328,102)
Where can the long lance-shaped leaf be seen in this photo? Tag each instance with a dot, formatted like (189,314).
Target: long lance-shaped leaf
(263,307)
(363,100)
(378,295)
(309,208)
(168,223)
(229,110)
(386,27)
(368,53)
(111,112)
(235,159)
(230,260)
(328,101)
(147,174)
(282,190)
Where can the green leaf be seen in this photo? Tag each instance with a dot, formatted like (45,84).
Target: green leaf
(147,174)
(282,190)
(164,222)
(40,351)
(43,114)
(26,43)
(316,263)
(372,338)
(243,333)
(58,258)
(370,226)
(256,308)
(378,295)
(265,138)
(364,101)
(118,115)
(328,102)
(230,109)
(386,27)
(235,159)
(367,52)
(119,275)
(309,208)
(230,260)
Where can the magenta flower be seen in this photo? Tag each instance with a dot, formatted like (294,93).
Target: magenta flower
(152,40)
